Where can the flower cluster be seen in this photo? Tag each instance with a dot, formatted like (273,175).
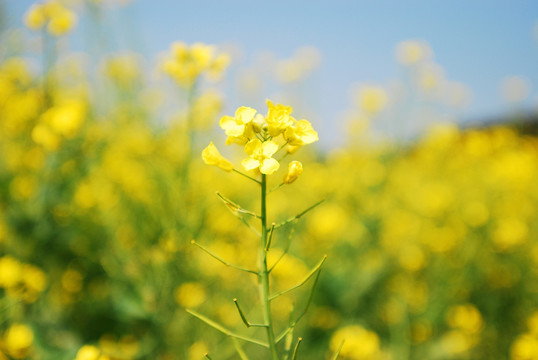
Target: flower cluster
(185,64)
(262,137)
(58,19)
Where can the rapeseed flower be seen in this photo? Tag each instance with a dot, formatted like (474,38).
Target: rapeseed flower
(260,156)
(58,19)
(278,118)
(300,133)
(238,128)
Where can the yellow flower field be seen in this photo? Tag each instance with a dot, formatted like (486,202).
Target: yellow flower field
(124,235)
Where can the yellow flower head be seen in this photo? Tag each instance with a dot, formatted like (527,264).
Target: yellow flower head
(35,18)
(238,128)
(260,156)
(211,156)
(59,20)
(62,22)
(278,118)
(88,352)
(295,168)
(17,340)
(186,63)
(300,133)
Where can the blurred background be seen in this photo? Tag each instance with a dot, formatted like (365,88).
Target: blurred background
(427,115)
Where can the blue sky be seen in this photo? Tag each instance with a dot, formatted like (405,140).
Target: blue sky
(477,42)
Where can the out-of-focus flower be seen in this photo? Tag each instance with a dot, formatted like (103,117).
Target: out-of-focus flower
(58,19)
(260,156)
(465,317)
(186,63)
(212,156)
(410,52)
(358,343)
(371,99)
(190,294)
(123,69)
(18,340)
(35,17)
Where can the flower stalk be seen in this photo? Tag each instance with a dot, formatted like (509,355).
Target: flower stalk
(264,273)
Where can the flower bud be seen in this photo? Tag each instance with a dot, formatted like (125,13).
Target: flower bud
(259,124)
(295,168)
(211,156)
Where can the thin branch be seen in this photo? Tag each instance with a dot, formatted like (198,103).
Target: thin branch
(252,228)
(243,317)
(287,344)
(276,187)
(314,271)
(311,295)
(225,331)
(213,255)
(239,350)
(294,356)
(335,357)
(208,357)
(248,177)
(268,245)
(299,215)
(284,333)
(236,208)
(292,231)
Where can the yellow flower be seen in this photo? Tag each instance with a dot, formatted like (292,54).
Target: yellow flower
(300,133)
(35,17)
(90,352)
(185,64)
(372,99)
(359,343)
(17,340)
(211,156)
(260,156)
(295,168)
(278,118)
(238,128)
(59,19)
(62,22)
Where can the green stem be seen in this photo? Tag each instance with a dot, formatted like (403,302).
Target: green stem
(264,273)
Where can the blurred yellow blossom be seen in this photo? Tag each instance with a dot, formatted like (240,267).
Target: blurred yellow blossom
(186,63)
(190,294)
(58,18)
(371,99)
(17,341)
(359,343)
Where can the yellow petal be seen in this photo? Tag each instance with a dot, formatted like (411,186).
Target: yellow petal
(269,148)
(269,166)
(253,146)
(231,127)
(244,114)
(250,164)
(211,156)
